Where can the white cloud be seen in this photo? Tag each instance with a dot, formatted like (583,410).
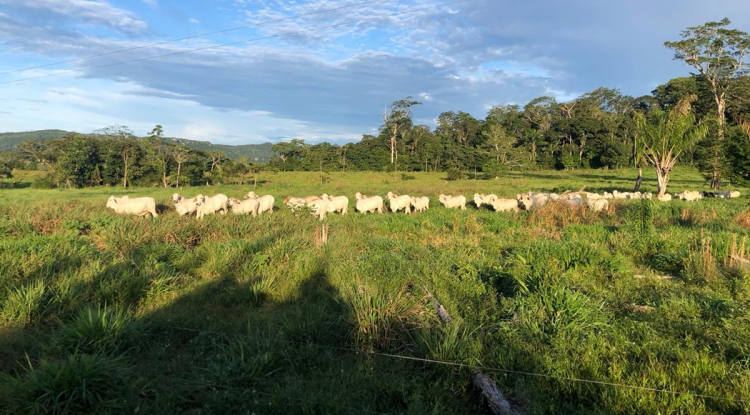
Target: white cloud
(151,3)
(94,12)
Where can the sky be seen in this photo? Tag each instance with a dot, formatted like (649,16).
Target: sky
(322,70)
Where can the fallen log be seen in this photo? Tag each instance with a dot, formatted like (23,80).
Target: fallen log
(495,399)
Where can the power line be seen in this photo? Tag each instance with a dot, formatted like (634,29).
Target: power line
(489,369)
(238,42)
(191,37)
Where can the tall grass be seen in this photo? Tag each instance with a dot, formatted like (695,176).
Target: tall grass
(237,314)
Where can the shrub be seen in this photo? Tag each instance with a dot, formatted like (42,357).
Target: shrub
(455,174)
(44,182)
(405,177)
(82,383)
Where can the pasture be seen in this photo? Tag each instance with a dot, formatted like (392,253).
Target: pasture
(233,314)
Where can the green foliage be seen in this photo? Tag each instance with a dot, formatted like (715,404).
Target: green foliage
(81,383)
(455,174)
(101,329)
(26,304)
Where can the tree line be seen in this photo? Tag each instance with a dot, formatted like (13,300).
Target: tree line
(702,119)
(114,156)
(601,129)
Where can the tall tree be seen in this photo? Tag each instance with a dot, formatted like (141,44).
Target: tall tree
(397,121)
(127,146)
(181,155)
(663,136)
(718,54)
(160,153)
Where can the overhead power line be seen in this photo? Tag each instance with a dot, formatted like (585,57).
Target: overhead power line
(238,42)
(191,37)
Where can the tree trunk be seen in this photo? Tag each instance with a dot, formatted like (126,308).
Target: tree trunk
(722,117)
(662,177)
(179,167)
(638,181)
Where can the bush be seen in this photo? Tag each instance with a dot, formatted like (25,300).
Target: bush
(455,174)
(405,177)
(44,182)
(82,384)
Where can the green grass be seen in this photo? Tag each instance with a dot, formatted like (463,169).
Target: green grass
(241,315)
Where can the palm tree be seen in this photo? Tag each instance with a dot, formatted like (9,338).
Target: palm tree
(663,136)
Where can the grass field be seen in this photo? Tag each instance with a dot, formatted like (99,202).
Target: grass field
(110,314)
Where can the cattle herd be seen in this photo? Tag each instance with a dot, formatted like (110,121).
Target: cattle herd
(321,206)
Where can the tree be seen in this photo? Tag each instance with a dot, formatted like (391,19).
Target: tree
(37,150)
(718,54)
(538,114)
(181,155)
(78,161)
(160,153)
(500,145)
(126,145)
(663,136)
(397,121)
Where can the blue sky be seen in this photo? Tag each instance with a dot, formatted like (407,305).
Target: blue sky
(329,84)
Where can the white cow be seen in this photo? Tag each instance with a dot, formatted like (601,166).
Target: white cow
(185,206)
(210,205)
(482,199)
(295,203)
(689,195)
(399,202)
(620,195)
(666,197)
(505,205)
(244,207)
(319,207)
(139,206)
(532,201)
(453,202)
(266,202)
(369,204)
(597,205)
(420,204)
(338,204)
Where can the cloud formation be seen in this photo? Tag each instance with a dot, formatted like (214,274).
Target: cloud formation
(332,84)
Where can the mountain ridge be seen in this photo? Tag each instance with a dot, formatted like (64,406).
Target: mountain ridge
(261,152)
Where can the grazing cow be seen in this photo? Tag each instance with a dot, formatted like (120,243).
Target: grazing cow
(244,207)
(420,204)
(139,206)
(185,206)
(369,204)
(266,202)
(399,202)
(210,205)
(453,202)
(506,205)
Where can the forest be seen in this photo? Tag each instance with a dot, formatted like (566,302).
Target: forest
(602,129)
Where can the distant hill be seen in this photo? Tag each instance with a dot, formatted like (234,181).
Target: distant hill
(262,152)
(9,141)
(252,151)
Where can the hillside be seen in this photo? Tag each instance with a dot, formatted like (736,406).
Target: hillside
(9,141)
